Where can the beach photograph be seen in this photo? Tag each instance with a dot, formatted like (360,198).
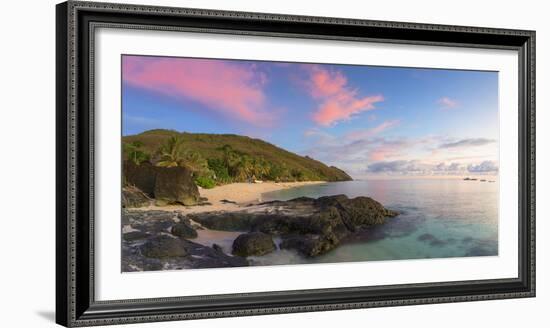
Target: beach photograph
(236,163)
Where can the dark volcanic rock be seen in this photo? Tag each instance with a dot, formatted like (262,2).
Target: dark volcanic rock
(184,230)
(310,226)
(151,248)
(142,176)
(357,212)
(176,185)
(208,257)
(253,244)
(164,246)
(217,247)
(168,185)
(226,221)
(135,235)
(133,197)
(309,245)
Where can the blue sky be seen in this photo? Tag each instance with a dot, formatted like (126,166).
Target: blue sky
(366,120)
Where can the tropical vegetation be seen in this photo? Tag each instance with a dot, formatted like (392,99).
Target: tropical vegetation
(216,159)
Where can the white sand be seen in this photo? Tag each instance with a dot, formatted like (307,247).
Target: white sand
(245,193)
(241,193)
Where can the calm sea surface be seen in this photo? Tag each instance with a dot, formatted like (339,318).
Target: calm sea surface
(439,218)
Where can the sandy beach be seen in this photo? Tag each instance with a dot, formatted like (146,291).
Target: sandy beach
(232,196)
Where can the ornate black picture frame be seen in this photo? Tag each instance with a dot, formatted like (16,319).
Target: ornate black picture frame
(75,301)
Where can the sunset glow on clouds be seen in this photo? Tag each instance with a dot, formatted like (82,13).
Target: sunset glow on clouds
(365,120)
(337,100)
(233,90)
(373,131)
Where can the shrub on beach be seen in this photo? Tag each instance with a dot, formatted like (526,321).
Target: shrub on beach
(205,182)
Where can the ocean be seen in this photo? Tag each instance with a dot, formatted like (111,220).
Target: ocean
(439,218)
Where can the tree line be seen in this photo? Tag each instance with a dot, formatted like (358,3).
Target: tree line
(230,166)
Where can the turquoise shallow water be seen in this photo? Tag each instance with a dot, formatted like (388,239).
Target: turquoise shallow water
(439,218)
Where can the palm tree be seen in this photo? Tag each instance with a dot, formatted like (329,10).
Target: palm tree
(228,155)
(171,153)
(195,161)
(247,166)
(260,167)
(134,153)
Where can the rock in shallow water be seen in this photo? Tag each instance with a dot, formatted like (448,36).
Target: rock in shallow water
(310,226)
(184,230)
(253,244)
(309,245)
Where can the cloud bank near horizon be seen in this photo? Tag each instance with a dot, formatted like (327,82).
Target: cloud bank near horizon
(468,143)
(369,152)
(407,167)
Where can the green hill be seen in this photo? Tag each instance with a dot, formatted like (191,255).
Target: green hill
(224,158)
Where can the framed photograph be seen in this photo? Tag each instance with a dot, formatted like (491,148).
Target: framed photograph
(214,163)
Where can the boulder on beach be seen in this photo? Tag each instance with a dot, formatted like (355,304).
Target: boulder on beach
(176,185)
(184,230)
(253,244)
(168,185)
(133,197)
(141,176)
(164,246)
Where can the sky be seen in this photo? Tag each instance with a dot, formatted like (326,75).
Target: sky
(366,120)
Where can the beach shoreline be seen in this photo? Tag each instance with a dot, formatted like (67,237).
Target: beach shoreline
(231,197)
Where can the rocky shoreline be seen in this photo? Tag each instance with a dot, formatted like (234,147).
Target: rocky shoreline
(163,240)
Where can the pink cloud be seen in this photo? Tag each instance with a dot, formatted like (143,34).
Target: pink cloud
(379,155)
(387,150)
(447,103)
(230,89)
(338,102)
(374,131)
